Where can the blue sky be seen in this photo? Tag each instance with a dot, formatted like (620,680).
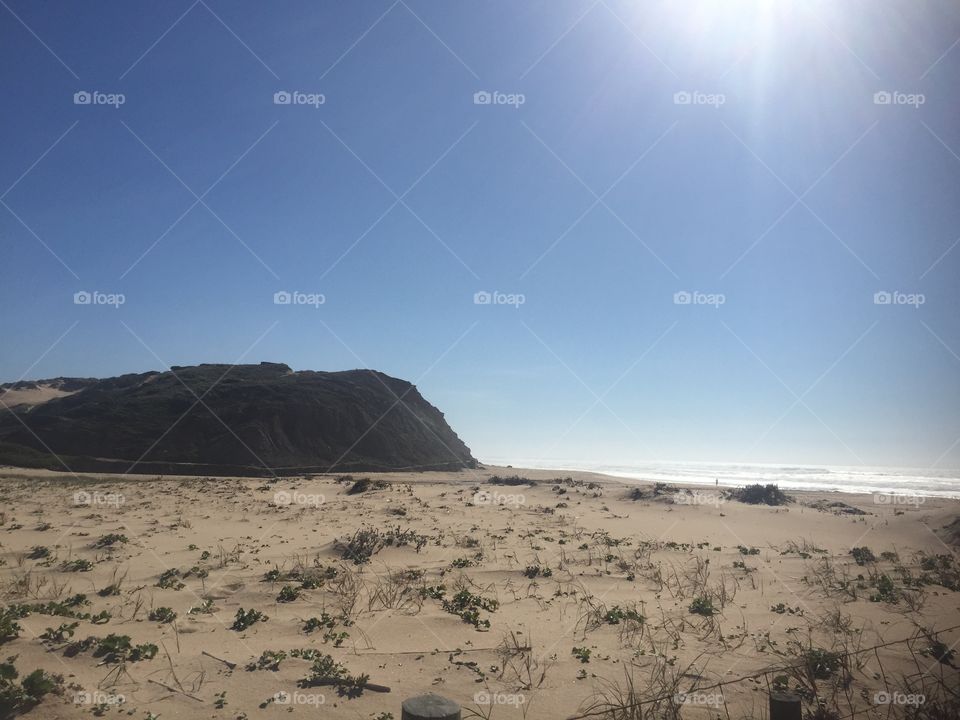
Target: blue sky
(782,197)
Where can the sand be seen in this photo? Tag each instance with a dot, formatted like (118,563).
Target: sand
(32,396)
(556,644)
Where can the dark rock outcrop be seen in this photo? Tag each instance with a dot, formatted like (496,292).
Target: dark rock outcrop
(245,419)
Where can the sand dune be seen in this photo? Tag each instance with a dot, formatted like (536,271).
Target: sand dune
(31,396)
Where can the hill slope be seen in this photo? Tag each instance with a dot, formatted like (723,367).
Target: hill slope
(221,419)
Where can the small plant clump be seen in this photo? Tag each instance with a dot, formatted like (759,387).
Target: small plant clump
(582,654)
(197,572)
(820,663)
(309,579)
(39,552)
(64,608)
(702,605)
(616,615)
(114,649)
(268,660)
(336,637)
(60,634)
(533,571)
(940,570)
(17,697)
(204,608)
(316,623)
(288,593)
(468,606)
(758,494)
(326,670)
(886,591)
(110,540)
(462,562)
(170,580)
(782,609)
(9,627)
(79,565)
(863,555)
(163,615)
(940,651)
(512,480)
(246,618)
(434,592)
(365,543)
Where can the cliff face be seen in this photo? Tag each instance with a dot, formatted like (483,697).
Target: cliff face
(221,419)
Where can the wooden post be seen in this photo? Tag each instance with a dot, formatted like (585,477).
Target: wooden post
(785,706)
(430,707)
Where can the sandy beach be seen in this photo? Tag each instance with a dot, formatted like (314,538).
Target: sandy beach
(542,600)
(308,307)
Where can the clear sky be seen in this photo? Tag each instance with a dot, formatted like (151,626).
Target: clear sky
(630,151)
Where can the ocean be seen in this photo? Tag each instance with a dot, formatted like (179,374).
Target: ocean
(930,482)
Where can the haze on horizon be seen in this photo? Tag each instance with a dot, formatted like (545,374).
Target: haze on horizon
(615,231)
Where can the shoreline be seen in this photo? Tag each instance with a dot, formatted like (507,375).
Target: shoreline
(787,484)
(483,471)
